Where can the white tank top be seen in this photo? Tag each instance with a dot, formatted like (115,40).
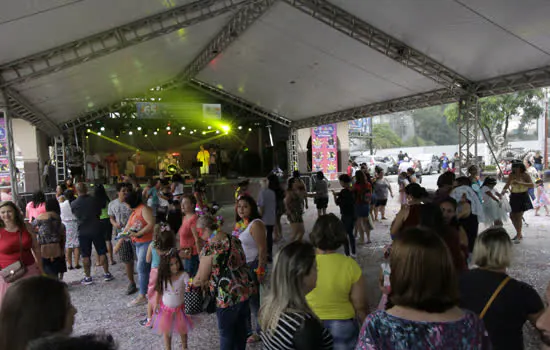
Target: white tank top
(173,294)
(249,244)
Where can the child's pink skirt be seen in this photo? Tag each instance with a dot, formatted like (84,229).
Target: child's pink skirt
(172,320)
(153,275)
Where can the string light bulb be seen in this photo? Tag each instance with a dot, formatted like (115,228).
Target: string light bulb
(168,127)
(139,128)
(130,133)
(102,128)
(183,128)
(155,133)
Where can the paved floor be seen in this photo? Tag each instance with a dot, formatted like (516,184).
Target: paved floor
(102,306)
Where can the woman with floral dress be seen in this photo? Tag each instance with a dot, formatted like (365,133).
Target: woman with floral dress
(223,269)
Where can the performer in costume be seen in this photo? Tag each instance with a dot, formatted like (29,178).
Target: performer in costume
(204,157)
(112,166)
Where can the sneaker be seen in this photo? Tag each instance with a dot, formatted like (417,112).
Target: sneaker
(78,267)
(108,277)
(131,289)
(87,281)
(146,323)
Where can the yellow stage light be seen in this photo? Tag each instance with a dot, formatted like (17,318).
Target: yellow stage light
(226,128)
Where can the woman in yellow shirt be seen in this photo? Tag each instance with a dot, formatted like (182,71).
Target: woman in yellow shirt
(339,298)
(519,183)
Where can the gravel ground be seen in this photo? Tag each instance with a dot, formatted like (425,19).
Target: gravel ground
(102,306)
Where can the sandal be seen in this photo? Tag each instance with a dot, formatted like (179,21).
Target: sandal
(254,338)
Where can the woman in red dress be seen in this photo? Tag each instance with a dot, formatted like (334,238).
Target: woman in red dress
(12,227)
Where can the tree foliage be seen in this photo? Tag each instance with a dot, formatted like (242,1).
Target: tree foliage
(385,137)
(431,125)
(417,141)
(495,113)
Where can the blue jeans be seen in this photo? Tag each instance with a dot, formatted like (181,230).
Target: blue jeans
(143,266)
(349,224)
(531,193)
(344,333)
(252,324)
(191,266)
(232,326)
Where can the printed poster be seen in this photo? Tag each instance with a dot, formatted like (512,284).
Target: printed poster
(4,161)
(212,111)
(324,150)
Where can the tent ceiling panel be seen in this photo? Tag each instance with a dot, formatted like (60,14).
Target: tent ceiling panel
(40,25)
(124,73)
(297,66)
(477,38)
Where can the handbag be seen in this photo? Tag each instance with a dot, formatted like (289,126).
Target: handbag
(15,271)
(493,297)
(193,299)
(209,304)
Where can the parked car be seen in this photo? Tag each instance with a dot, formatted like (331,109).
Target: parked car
(392,165)
(428,163)
(372,162)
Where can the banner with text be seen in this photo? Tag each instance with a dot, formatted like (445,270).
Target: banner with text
(324,150)
(4,160)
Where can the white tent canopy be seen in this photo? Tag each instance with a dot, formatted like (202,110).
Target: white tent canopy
(296,62)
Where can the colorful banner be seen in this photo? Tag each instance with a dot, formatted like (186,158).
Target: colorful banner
(4,161)
(324,150)
(362,125)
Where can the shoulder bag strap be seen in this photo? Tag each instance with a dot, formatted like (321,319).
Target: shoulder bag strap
(493,297)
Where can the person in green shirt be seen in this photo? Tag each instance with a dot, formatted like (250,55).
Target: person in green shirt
(106,227)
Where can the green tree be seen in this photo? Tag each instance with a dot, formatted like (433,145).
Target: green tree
(384,137)
(431,124)
(495,113)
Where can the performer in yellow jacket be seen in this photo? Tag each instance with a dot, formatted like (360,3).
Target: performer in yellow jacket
(204,157)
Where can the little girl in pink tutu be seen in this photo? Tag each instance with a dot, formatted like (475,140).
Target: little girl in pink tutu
(170,309)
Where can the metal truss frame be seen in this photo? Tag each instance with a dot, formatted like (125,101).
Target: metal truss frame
(240,22)
(427,99)
(21,108)
(91,116)
(238,101)
(292,149)
(468,130)
(104,43)
(377,40)
(527,80)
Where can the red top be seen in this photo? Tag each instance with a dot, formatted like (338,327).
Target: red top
(413,219)
(137,222)
(363,192)
(9,248)
(187,240)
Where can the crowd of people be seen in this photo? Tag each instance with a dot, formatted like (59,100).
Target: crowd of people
(313,296)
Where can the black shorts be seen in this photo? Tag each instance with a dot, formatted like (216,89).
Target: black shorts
(98,241)
(322,203)
(381,202)
(53,267)
(107,229)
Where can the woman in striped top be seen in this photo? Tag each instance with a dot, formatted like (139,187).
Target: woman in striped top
(285,317)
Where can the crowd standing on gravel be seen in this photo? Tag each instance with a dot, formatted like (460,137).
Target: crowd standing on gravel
(314,297)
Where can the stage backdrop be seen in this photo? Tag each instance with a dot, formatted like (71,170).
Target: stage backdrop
(324,150)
